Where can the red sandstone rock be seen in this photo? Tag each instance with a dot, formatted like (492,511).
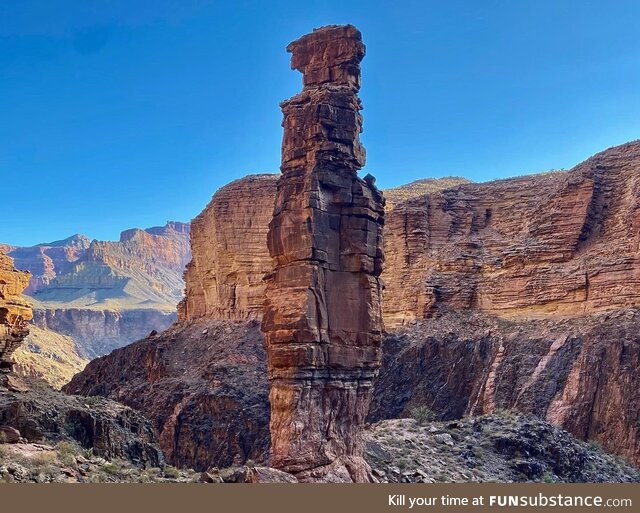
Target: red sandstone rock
(559,244)
(230,255)
(9,435)
(15,312)
(322,314)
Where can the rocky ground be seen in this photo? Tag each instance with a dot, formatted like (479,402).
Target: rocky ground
(503,447)
(37,414)
(67,462)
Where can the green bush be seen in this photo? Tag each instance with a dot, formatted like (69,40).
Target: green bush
(171,472)
(422,415)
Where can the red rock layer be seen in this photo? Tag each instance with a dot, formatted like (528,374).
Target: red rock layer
(322,315)
(15,312)
(230,256)
(559,244)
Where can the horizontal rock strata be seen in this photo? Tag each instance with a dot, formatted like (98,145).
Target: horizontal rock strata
(322,313)
(15,313)
(558,244)
(224,279)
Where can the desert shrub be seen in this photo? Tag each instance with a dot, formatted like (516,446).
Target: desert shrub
(112,469)
(548,477)
(422,415)
(171,472)
(67,453)
(595,445)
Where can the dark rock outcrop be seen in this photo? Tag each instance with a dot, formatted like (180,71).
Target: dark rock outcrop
(203,385)
(580,374)
(109,429)
(322,314)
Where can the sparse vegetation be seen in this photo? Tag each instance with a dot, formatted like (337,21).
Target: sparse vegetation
(170,471)
(422,415)
(488,448)
(421,187)
(547,477)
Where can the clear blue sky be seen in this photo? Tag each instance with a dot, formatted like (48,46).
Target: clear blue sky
(122,113)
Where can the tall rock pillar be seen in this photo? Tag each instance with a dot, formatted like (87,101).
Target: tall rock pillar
(322,313)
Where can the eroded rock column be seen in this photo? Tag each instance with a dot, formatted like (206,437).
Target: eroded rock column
(322,315)
(15,312)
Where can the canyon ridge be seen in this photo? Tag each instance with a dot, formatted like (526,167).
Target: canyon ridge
(514,295)
(328,331)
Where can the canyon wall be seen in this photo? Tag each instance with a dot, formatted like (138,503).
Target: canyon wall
(560,244)
(322,317)
(107,294)
(224,279)
(15,313)
(98,332)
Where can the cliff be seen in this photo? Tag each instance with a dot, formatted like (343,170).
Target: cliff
(97,332)
(15,313)
(224,279)
(106,294)
(559,244)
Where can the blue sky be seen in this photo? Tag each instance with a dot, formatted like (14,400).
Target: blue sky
(128,113)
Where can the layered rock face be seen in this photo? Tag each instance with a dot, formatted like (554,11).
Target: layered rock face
(580,374)
(559,244)
(224,279)
(230,256)
(98,332)
(107,294)
(202,384)
(322,312)
(15,313)
(141,270)
(46,261)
